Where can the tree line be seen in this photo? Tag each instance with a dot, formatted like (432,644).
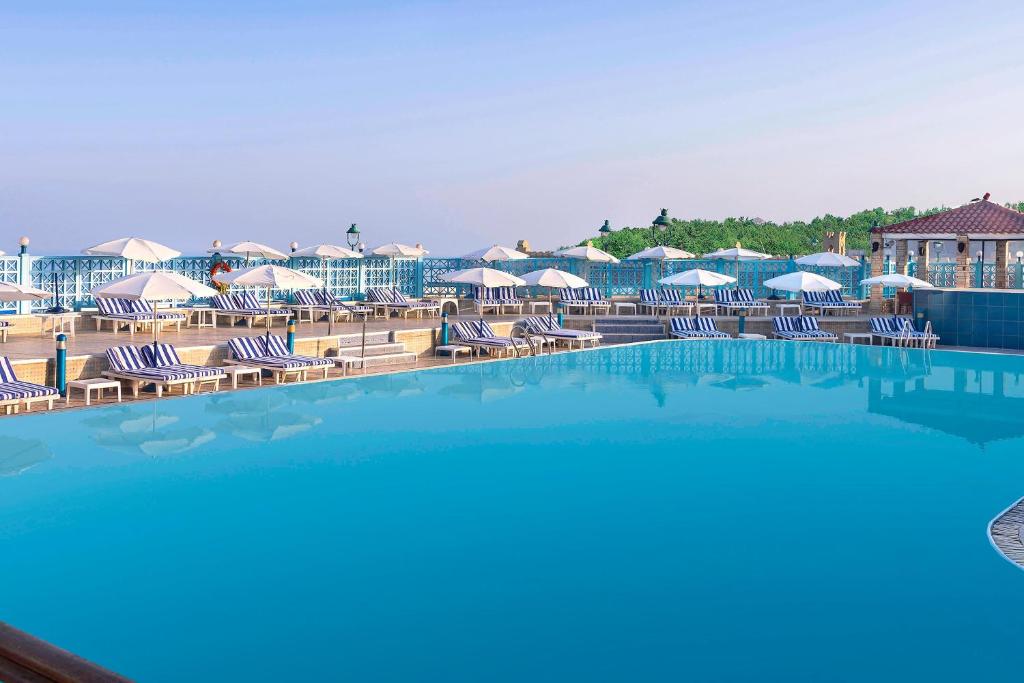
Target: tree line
(781,239)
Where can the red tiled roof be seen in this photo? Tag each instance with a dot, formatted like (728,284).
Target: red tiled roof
(980,217)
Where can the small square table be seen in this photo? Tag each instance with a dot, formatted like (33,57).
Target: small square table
(236,371)
(454,350)
(89,385)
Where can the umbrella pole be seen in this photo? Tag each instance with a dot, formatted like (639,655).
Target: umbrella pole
(155,319)
(268,317)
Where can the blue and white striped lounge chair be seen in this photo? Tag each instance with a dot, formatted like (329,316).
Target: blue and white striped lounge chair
(730,300)
(14,393)
(319,304)
(900,331)
(701,327)
(136,314)
(570,298)
(548,327)
(484,299)
(673,301)
(650,301)
(271,354)
(829,301)
(598,305)
(350,308)
(479,335)
(161,368)
(243,306)
(800,328)
(387,299)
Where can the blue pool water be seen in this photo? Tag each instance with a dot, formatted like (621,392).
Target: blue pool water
(727,511)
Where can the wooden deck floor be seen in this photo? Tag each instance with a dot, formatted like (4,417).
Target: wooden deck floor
(1007,533)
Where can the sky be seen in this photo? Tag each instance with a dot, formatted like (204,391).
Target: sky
(460,125)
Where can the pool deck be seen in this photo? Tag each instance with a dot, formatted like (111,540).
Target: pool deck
(1007,533)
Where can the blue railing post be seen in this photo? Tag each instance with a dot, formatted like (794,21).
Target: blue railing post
(419,278)
(60,364)
(1019,279)
(979,274)
(291,335)
(444,328)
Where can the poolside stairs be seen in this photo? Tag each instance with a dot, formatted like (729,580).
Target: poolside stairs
(617,329)
(380,350)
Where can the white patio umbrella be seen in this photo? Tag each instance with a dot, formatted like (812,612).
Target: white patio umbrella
(738,253)
(660,254)
(802,281)
(827,259)
(12,291)
(271,277)
(588,253)
(552,278)
(897,280)
(153,286)
(496,253)
(250,250)
(396,250)
(485,277)
(327,252)
(699,278)
(135,249)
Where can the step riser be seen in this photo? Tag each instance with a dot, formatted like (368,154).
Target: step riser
(371,338)
(371,350)
(377,361)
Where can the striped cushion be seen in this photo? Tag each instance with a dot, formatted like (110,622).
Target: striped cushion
(139,306)
(590,294)
(245,348)
(568,294)
(706,324)
(188,370)
(485,329)
(108,306)
(882,325)
(723,296)
(5,323)
(808,323)
(276,346)
(535,324)
(7,370)
(12,391)
(463,330)
(786,323)
(163,355)
(225,302)
(290,362)
(899,323)
(125,358)
(744,296)
(648,296)
(682,325)
(814,298)
(376,295)
(835,296)
(671,296)
(305,297)
(247,301)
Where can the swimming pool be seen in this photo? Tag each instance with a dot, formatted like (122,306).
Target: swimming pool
(726,511)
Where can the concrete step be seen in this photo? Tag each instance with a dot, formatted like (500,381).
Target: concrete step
(403,358)
(372,349)
(380,337)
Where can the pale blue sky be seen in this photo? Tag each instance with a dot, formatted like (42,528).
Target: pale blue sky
(464,124)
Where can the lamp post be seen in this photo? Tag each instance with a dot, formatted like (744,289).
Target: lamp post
(352,237)
(661,222)
(293,246)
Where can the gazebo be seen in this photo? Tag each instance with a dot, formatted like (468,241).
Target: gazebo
(979,220)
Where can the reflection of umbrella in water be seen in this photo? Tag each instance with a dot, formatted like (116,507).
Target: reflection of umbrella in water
(152,435)
(19,455)
(740,383)
(270,425)
(483,386)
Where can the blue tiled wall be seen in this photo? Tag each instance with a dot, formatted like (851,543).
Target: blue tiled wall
(967,318)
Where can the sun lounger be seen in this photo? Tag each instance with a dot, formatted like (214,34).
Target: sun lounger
(484,299)
(701,327)
(673,301)
(548,327)
(162,368)
(135,314)
(14,393)
(829,301)
(900,331)
(4,324)
(271,353)
(651,301)
(800,328)
(730,300)
(388,299)
(243,306)
(597,303)
(481,337)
